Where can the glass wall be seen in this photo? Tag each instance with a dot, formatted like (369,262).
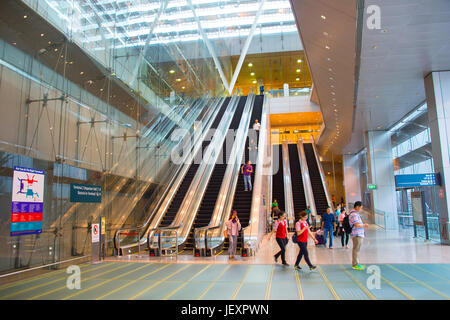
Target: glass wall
(412,155)
(89,116)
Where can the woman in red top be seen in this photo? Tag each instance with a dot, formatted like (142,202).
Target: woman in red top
(281,236)
(302,229)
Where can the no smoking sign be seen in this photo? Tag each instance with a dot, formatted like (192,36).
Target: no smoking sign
(95,233)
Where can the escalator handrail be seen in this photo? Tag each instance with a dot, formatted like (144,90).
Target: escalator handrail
(306,178)
(204,172)
(211,118)
(232,173)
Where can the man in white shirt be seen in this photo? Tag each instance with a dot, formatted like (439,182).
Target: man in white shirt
(256,125)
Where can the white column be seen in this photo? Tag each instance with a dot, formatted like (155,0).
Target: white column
(351,180)
(381,173)
(437,87)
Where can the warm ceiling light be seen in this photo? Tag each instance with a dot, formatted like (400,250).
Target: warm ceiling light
(325,33)
(82,72)
(327,47)
(333,93)
(49,42)
(178,80)
(329,59)
(183,88)
(323,17)
(374,47)
(297,79)
(250,64)
(298,70)
(14,43)
(299,60)
(42,34)
(252,74)
(335,110)
(25,16)
(172,71)
(254,81)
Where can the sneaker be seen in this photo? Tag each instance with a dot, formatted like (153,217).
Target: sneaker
(285,264)
(347,247)
(312,268)
(297,268)
(358,267)
(276,259)
(330,248)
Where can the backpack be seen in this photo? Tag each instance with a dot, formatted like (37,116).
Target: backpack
(346,224)
(294,237)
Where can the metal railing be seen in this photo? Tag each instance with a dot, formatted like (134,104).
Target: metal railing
(227,190)
(176,178)
(189,206)
(306,178)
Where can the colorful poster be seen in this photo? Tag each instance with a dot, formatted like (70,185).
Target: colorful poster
(27,201)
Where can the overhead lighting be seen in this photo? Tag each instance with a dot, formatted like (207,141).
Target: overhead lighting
(178,80)
(374,47)
(323,17)
(325,33)
(172,71)
(81,73)
(42,34)
(297,79)
(183,88)
(254,81)
(327,47)
(298,70)
(250,64)
(25,16)
(299,60)
(252,74)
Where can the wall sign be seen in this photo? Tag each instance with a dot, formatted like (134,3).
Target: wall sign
(27,201)
(95,232)
(417,180)
(85,193)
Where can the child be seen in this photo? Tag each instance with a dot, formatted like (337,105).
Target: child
(303,231)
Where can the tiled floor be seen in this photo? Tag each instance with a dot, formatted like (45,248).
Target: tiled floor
(144,280)
(409,269)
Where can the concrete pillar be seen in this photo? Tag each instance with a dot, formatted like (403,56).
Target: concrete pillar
(351,179)
(381,173)
(437,88)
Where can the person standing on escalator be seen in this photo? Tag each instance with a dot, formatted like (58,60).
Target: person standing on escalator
(247,171)
(233,227)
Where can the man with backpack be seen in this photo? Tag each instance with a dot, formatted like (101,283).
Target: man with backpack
(355,227)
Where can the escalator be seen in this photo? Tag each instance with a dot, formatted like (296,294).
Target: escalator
(206,209)
(320,198)
(190,174)
(298,192)
(277,179)
(242,202)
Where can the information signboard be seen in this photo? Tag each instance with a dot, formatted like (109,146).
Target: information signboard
(417,180)
(95,233)
(85,193)
(27,201)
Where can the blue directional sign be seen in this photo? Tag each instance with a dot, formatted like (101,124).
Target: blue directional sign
(417,180)
(85,193)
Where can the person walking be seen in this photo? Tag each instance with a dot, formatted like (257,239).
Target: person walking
(337,212)
(328,226)
(357,234)
(342,231)
(308,212)
(280,230)
(275,210)
(233,227)
(303,231)
(247,171)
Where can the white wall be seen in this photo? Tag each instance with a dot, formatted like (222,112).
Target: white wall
(292,104)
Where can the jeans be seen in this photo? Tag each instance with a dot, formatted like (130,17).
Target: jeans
(327,231)
(232,245)
(303,252)
(248,182)
(282,242)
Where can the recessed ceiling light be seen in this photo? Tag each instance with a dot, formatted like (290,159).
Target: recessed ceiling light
(374,47)
(14,43)
(49,42)
(82,72)
(178,80)
(329,59)
(252,74)
(333,93)
(297,79)
(335,110)
(250,64)
(42,34)
(298,70)
(25,16)
(325,33)
(299,60)
(183,88)
(323,17)
(331,78)
(327,47)
(254,81)
(172,71)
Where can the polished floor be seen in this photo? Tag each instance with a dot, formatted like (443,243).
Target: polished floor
(143,280)
(409,269)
